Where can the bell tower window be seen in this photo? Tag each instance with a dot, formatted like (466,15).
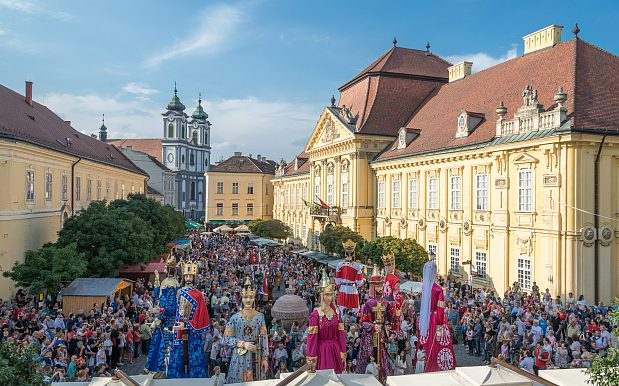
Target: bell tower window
(194,137)
(171,130)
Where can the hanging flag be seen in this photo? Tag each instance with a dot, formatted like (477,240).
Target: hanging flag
(265,287)
(306,203)
(323,204)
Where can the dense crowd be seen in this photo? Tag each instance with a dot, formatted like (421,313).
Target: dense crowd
(532,330)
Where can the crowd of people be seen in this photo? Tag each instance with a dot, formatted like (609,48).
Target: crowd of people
(532,330)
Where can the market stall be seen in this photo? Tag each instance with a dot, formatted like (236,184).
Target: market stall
(83,293)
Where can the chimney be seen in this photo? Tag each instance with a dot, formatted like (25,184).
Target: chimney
(249,155)
(29,92)
(68,122)
(544,38)
(264,158)
(258,157)
(459,71)
(237,153)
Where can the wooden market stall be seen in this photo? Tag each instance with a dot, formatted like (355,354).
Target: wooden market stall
(83,293)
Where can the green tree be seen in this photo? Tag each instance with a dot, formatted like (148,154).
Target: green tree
(333,237)
(410,256)
(605,370)
(48,267)
(270,229)
(167,223)
(17,366)
(109,237)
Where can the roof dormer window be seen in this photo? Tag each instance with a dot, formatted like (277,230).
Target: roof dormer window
(467,122)
(406,136)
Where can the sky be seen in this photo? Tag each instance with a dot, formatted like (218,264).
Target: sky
(265,68)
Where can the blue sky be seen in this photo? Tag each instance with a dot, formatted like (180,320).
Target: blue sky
(265,68)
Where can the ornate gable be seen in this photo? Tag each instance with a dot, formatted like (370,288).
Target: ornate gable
(329,130)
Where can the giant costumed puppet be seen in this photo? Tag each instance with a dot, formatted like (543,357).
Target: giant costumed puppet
(348,277)
(165,294)
(326,338)
(246,333)
(187,357)
(373,337)
(434,332)
(391,292)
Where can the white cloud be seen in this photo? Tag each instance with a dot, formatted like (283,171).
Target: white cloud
(249,125)
(210,36)
(482,60)
(32,7)
(139,89)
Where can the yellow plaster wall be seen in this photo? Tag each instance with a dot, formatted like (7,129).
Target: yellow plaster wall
(262,198)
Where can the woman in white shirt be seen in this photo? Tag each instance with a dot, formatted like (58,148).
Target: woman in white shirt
(400,363)
(421,359)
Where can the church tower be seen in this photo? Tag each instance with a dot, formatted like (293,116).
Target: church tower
(186,151)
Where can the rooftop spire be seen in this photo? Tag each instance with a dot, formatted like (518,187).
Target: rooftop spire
(332,100)
(103,123)
(174,87)
(175,104)
(576,30)
(395,41)
(427,48)
(199,113)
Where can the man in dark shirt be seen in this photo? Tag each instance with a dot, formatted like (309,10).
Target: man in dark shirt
(115,337)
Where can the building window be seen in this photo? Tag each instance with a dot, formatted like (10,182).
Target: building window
(48,186)
(455,190)
(98,190)
(412,194)
(250,209)
(524,273)
(455,260)
(250,188)
(330,189)
(64,182)
(235,209)
(481,195)
(317,186)
(305,192)
(220,188)
(220,209)
(344,190)
(194,137)
(235,188)
(124,191)
(266,189)
(115,190)
(191,159)
(30,185)
(107,189)
(132,188)
(381,194)
(192,191)
(432,193)
(395,194)
(481,264)
(89,190)
(78,188)
(171,130)
(525,191)
(303,231)
(432,250)
(298,195)
(286,197)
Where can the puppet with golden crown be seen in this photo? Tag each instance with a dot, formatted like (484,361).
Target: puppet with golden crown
(326,338)
(391,292)
(187,357)
(246,333)
(348,277)
(165,294)
(373,337)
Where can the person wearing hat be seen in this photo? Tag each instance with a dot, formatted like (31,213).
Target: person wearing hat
(326,337)
(246,332)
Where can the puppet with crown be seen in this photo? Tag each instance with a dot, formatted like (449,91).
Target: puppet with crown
(246,333)
(348,277)
(391,292)
(187,357)
(165,294)
(326,338)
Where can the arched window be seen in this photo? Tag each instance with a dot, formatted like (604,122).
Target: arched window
(194,137)
(191,159)
(171,130)
(192,192)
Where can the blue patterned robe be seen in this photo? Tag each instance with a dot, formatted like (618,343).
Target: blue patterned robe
(248,326)
(161,340)
(197,326)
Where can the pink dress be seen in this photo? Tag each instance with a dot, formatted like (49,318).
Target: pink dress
(440,355)
(326,340)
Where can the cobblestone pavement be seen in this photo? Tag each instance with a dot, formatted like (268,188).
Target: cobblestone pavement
(463,359)
(136,368)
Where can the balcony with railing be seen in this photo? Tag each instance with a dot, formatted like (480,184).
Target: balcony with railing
(331,214)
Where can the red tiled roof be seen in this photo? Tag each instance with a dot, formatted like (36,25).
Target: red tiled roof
(243,164)
(303,165)
(589,76)
(38,125)
(150,146)
(384,95)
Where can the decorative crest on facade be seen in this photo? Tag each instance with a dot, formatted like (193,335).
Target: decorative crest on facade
(331,132)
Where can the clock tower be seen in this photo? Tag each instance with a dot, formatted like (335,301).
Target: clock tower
(186,151)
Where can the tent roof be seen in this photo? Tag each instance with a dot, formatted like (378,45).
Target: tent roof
(92,286)
(575,377)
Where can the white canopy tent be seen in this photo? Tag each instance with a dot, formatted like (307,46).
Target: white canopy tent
(320,378)
(576,377)
(411,287)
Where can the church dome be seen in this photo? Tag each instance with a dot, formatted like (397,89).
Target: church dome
(199,113)
(289,308)
(175,104)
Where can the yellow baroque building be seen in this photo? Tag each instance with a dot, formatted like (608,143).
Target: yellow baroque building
(50,171)
(239,189)
(510,174)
